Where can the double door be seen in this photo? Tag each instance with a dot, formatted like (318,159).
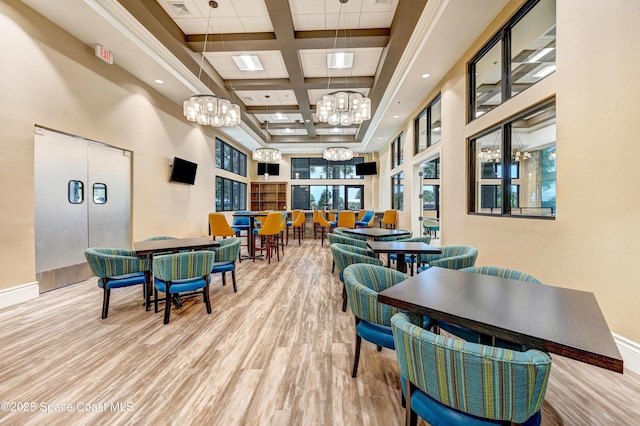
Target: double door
(82,199)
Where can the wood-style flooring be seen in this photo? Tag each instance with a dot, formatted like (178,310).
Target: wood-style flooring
(278,352)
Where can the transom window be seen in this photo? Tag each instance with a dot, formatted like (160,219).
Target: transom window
(319,168)
(397,147)
(522,53)
(230,159)
(428,126)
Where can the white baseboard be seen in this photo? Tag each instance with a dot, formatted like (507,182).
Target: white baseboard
(19,294)
(630,352)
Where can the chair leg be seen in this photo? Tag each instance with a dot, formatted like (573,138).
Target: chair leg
(167,306)
(411,418)
(379,348)
(233,279)
(356,357)
(155,299)
(333,266)
(207,299)
(105,301)
(224,281)
(344,298)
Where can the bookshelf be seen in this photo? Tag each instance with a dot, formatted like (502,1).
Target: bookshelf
(268,196)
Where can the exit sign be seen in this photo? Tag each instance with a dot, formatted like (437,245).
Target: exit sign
(104,54)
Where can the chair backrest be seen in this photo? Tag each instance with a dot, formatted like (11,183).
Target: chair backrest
(483,381)
(272,224)
(454,257)
(241,220)
(112,262)
(389,217)
(502,272)
(341,231)
(345,255)
(363,283)
(335,237)
(182,266)
(160,237)
(360,214)
(368,217)
(322,221)
(219,226)
(229,250)
(316,216)
(347,219)
(398,237)
(298,218)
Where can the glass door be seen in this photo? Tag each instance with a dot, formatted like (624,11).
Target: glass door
(430,197)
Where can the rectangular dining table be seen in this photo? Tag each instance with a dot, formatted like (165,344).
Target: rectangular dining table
(402,248)
(377,233)
(151,247)
(553,319)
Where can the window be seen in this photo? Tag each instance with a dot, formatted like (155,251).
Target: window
(431,169)
(518,56)
(319,168)
(526,176)
(397,147)
(230,159)
(431,197)
(75,192)
(99,193)
(397,191)
(428,126)
(320,197)
(230,195)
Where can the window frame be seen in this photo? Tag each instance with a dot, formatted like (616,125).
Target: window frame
(298,166)
(340,189)
(237,160)
(428,129)
(397,148)
(397,187)
(237,197)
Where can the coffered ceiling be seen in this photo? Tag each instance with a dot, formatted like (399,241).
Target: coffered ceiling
(393,42)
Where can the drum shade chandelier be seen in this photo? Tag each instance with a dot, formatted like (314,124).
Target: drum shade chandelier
(210,110)
(342,108)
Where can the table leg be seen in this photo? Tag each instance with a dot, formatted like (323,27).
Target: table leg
(401,264)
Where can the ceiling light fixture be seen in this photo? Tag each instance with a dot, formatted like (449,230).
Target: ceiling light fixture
(266,155)
(248,63)
(210,110)
(425,75)
(344,107)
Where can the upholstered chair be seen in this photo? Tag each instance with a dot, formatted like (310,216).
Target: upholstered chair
(389,219)
(185,273)
(345,255)
(367,219)
(269,231)
(346,219)
(325,226)
(297,222)
(219,226)
(448,381)
(451,257)
(336,237)
(116,268)
(225,261)
(342,231)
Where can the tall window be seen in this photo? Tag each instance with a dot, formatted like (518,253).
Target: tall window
(320,197)
(319,168)
(516,161)
(230,195)
(397,191)
(397,147)
(230,159)
(428,126)
(522,53)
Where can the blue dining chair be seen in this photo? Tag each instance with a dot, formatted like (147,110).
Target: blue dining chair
(367,219)
(345,255)
(116,268)
(449,381)
(183,273)
(226,255)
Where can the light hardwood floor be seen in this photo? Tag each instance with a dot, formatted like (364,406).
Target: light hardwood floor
(278,352)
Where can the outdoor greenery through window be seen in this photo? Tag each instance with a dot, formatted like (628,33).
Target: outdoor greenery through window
(522,53)
(431,187)
(428,126)
(397,191)
(230,159)
(397,146)
(516,161)
(319,168)
(322,197)
(230,195)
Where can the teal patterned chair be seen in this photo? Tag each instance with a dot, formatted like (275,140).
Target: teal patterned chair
(226,256)
(335,237)
(472,336)
(341,231)
(345,255)
(452,382)
(451,257)
(373,319)
(116,268)
(183,273)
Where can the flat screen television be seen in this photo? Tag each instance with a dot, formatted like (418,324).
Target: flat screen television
(363,169)
(183,171)
(272,168)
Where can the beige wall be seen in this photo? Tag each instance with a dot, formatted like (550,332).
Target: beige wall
(591,244)
(57,82)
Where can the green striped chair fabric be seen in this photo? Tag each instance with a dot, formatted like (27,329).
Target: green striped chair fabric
(226,256)
(160,237)
(341,231)
(335,237)
(116,268)
(451,257)
(345,255)
(477,381)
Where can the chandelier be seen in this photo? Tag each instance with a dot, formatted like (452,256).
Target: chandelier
(210,110)
(337,153)
(343,108)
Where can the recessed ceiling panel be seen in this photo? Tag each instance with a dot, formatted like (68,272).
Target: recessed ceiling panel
(271,60)
(365,62)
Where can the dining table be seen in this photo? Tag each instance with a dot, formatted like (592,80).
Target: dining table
(377,233)
(401,249)
(173,245)
(553,319)
(250,237)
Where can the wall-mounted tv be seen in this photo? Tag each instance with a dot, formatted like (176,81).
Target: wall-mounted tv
(272,168)
(363,169)
(183,171)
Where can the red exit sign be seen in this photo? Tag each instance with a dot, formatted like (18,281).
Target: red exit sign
(104,54)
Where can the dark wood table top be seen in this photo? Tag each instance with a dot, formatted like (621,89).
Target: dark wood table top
(144,248)
(250,214)
(402,247)
(377,232)
(553,319)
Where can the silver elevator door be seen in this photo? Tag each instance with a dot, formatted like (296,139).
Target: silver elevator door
(82,199)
